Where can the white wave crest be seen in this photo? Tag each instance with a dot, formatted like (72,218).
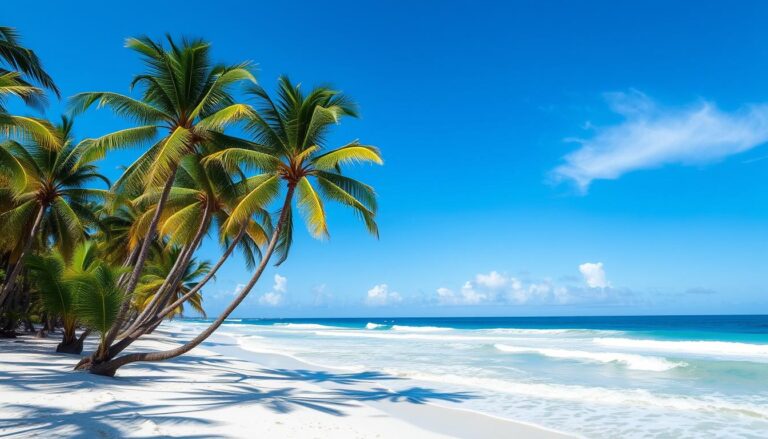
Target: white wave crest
(521,331)
(310,326)
(251,343)
(631,361)
(709,348)
(403,335)
(371,325)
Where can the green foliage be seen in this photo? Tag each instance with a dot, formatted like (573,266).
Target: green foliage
(159,268)
(289,134)
(53,179)
(23,59)
(57,292)
(98,296)
(182,107)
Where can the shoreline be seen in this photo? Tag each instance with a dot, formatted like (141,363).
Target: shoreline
(470,417)
(223,390)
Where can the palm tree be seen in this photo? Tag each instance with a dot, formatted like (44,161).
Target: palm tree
(19,66)
(199,196)
(24,60)
(99,297)
(159,269)
(56,279)
(290,133)
(185,102)
(51,197)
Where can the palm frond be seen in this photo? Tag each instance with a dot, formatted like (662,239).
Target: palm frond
(354,152)
(311,207)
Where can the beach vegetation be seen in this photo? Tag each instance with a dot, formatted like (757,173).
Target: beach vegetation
(219,157)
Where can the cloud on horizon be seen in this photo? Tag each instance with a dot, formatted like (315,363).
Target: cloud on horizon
(497,288)
(651,137)
(380,295)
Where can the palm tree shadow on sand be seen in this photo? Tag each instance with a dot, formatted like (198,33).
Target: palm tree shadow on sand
(235,385)
(287,399)
(101,421)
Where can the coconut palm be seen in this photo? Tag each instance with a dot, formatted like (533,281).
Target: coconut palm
(55,279)
(199,197)
(52,198)
(19,67)
(185,102)
(99,297)
(19,58)
(290,132)
(56,295)
(159,269)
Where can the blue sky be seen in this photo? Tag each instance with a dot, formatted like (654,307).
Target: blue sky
(542,157)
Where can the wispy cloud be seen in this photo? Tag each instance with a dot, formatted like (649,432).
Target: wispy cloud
(651,136)
(380,295)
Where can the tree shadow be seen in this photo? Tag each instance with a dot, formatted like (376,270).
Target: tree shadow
(413,395)
(31,421)
(287,399)
(233,384)
(322,376)
(282,400)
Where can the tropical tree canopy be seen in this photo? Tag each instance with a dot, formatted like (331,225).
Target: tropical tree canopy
(118,259)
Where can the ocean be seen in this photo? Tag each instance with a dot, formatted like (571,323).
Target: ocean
(602,377)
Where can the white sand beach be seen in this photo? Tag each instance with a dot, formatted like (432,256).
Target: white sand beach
(208,394)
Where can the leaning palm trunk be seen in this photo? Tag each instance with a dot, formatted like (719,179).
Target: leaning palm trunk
(151,324)
(168,309)
(109,368)
(163,294)
(11,280)
(141,259)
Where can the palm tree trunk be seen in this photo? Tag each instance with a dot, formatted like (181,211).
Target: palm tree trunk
(177,271)
(11,279)
(141,259)
(110,367)
(131,336)
(168,309)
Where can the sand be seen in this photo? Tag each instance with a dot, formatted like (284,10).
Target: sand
(220,391)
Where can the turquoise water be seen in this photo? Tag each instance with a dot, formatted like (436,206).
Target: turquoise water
(680,376)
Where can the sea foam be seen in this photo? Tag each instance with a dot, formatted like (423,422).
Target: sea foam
(419,328)
(708,348)
(403,335)
(631,361)
(597,395)
(309,326)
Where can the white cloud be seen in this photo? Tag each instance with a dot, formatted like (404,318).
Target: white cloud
(281,284)
(651,137)
(491,280)
(498,289)
(495,287)
(271,299)
(380,295)
(467,295)
(229,294)
(594,275)
(277,295)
